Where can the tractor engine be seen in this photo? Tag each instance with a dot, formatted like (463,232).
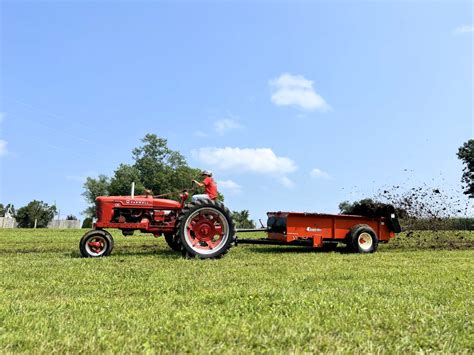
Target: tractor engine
(131,215)
(138,213)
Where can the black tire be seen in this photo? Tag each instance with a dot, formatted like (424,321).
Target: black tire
(104,248)
(173,241)
(189,213)
(362,239)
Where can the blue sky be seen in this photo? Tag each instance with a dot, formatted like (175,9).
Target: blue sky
(293,105)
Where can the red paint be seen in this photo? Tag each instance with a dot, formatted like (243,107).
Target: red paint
(96,246)
(319,226)
(202,230)
(149,215)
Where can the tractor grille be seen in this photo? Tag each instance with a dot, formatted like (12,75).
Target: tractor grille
(98,212)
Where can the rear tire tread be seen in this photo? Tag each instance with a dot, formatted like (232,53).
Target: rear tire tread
(185,213)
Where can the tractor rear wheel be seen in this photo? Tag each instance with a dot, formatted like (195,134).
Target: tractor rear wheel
(205,229)
(173,241)
(96,243)
(363,239)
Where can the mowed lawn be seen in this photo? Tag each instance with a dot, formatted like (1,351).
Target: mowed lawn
(414,294)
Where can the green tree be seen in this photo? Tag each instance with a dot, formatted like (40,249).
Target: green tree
(87,223)
(71,217)
(121,182)
(345,207)
(35,210)
(155,167)
(466,154)
(8,208)
(242,219)
(92,189)
(162,169)
(369,207)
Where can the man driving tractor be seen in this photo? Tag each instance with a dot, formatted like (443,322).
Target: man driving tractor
(210,187)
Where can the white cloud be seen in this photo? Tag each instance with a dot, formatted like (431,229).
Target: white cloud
(318,173)
(3,147)
(464,29)
(296,90)
(229,185)
(255,160)
(287,182)
(225,125)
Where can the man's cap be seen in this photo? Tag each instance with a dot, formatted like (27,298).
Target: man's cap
(207,172)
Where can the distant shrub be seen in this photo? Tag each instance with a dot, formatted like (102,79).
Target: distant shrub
(87,223)
(453,223)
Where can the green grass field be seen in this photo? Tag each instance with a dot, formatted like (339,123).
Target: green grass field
(414,294)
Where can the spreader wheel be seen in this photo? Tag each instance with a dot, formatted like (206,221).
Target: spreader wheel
(173,241)
(96,243)
(363,239)
(205,229)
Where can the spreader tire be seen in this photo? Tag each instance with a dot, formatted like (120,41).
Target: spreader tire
(173,241)
(205,229)
(96,244)
(362,239)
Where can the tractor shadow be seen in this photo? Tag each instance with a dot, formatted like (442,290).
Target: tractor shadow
(145,250)
(136,250)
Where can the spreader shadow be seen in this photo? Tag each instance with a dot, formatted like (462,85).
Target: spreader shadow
(295,250)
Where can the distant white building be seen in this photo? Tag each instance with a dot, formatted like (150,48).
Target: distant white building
(64,224)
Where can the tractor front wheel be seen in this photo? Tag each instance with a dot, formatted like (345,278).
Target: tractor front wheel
(205,229)
(96,243)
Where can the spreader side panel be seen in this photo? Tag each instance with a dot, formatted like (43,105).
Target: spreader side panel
(300,225)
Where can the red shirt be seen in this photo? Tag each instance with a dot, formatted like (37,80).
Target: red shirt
(211,187)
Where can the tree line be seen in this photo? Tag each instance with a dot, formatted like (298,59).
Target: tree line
(34,213)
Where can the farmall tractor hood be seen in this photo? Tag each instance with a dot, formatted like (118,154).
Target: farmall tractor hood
(138,201)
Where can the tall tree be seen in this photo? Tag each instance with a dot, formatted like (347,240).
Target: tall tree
(162,169)
(35,210)
(466,154)
(92,189)
(121,182)
(155,167)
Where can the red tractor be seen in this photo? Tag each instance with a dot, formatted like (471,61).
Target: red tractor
(203,228)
